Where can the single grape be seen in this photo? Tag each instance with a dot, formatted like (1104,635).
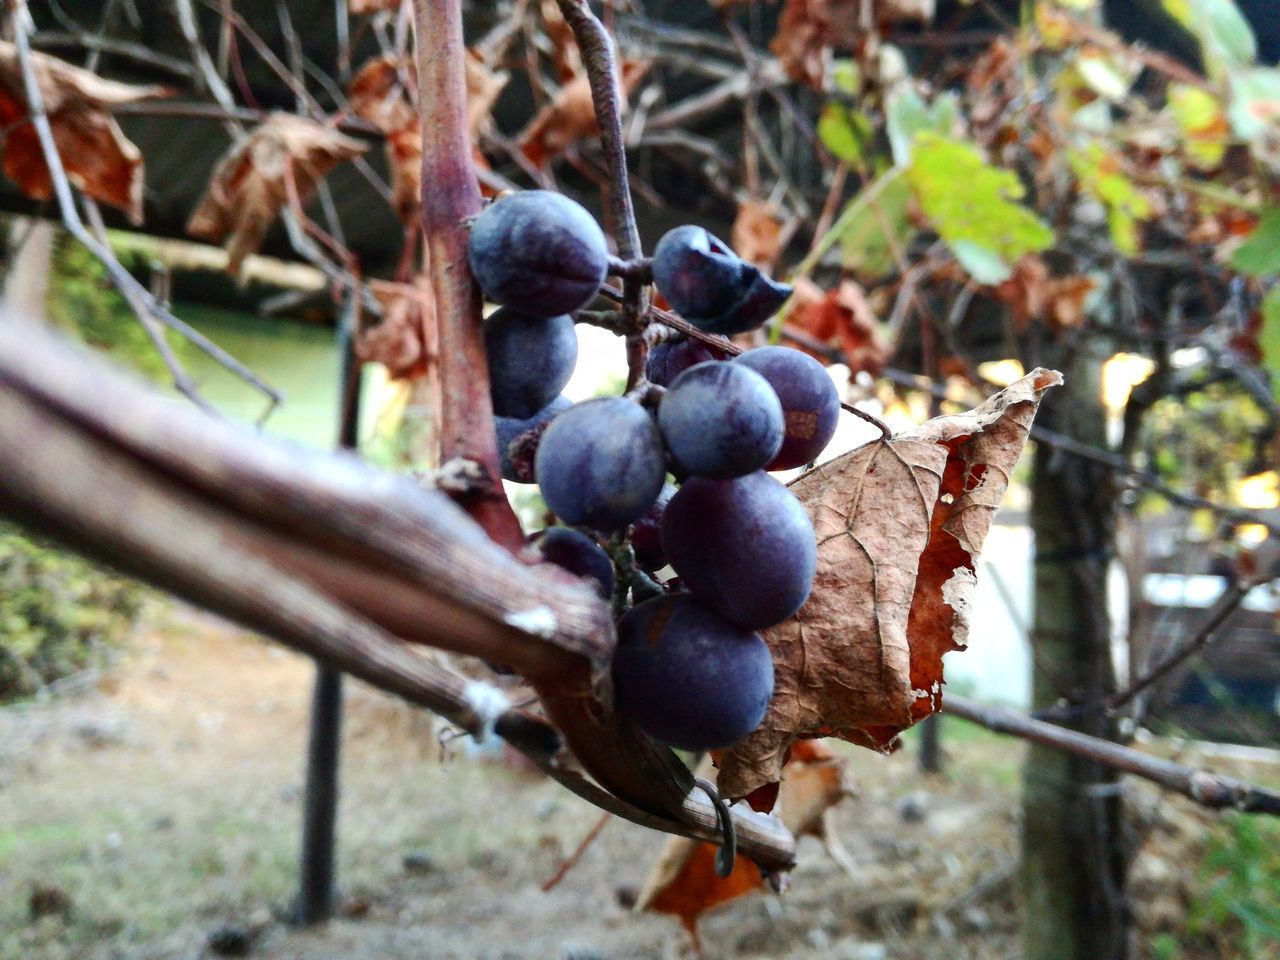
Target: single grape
(646,535)
(721,420)
(710,286)
(745,547)
(810,402)
(530,360)
(539,251)
(516,455)
(696,272)
(600,464)
(577,553)
(669,359)
(689,678)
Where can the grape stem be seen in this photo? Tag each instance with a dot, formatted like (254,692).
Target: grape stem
(596,47)
(451,196)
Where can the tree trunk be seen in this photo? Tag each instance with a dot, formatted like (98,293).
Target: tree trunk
(1073,855)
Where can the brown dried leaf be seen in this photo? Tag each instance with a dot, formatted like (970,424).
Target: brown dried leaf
(900,525)
(382,93)
(98,158)
(757,233)
(403,340)
(842,318)
(373,6)
(564,47)
(683,881)
(248,187)
(570,117)
(1031,293)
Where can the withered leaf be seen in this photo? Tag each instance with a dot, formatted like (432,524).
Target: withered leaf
(683,881)
(383,93)
(570,117)
(403,341)
(249,184)
(900,526)
(1032,293)
(842,318)
(98,158)
(372,6)
(757,233)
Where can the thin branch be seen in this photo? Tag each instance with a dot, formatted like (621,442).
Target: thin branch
(596,48)
(1207,789)
(134,292)
(1227,604)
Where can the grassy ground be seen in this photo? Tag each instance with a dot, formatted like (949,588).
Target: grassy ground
(167,806)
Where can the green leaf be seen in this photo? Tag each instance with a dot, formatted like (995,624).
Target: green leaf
(1226,40)
(974,208)
(868,240)
(908,116)
(1260,254)
(846,76)
(844,133)
(1269,339)
(1203,123)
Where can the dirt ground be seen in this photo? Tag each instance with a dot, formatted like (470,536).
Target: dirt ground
(161,808)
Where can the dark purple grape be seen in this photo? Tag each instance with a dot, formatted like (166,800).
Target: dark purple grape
(687,677)
(669,359)
(530,360)
(721,420)
(577,553)
(744,547)
(710,286)
(646,535)
(810,402)
(517,465)
(600,464)
(539,251)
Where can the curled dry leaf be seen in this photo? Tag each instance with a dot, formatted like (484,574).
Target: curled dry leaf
(383,93)
(842,318)
(810,32)
(403,341)
(900,525)
(1031,294)
(248,187)
(757,233)
(98,158)
(570,117)
(683,881)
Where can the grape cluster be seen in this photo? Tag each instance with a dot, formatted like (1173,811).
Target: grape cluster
(690,668)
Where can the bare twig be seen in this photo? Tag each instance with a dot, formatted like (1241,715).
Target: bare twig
(1207,789)
(134,292)
(596,47)
(571,861)
(1204,635)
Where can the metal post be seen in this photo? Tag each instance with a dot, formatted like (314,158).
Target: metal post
(315,893)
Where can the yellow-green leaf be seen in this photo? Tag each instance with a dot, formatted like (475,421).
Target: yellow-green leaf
(1104,179)
(1269,339)
(1202,121)
(974,207)
(845,133)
